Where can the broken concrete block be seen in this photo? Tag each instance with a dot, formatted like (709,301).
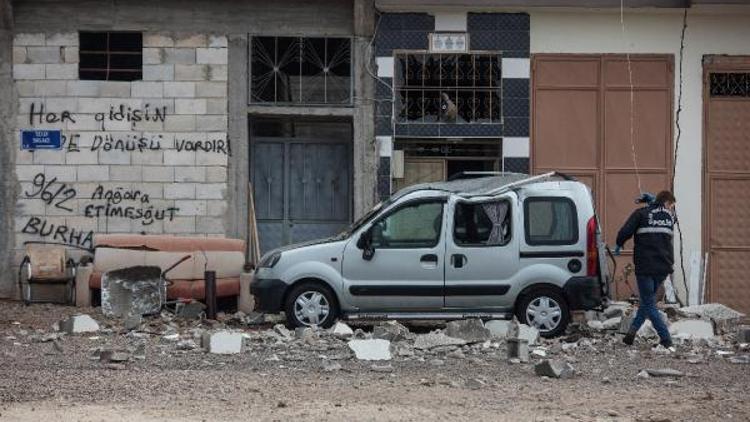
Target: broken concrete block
(531,334)
(282,331)
(375,349)
(436,339)
(643,375)
(692,329)
(223,342)
(113,356)
(133,290)
(186,345)
(713,311)
(304,333)
(382,368)
(192,310)
(79,324)
(391,331)
(664,373)
(342,330)
(554,369)
(470,330)
(612,323)
(518,349)
(595,325)
(132,322)
(498,328)
(743,334)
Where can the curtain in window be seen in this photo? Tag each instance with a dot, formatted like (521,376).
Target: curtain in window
(496,212)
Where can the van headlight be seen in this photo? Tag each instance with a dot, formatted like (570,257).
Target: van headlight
(270,261)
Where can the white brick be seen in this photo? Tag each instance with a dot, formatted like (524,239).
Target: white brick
(191,72)
(115,225)
(61,71)
(190,174)
(191,106)
(49,88)
(216,174)
(211,56)
(188,207)
(19,55)
(157,40)
(182,123)
(27,173)
(150,125)
(110,89)
(33,206)
(114,89)
(179,89)
(63,39)
(191,40)
(216,106)
(44,55)
(211,159)
(158,72)
(209,225)
(182,158)
(49,157)
(85,122)
(24,157)
(147,89)
(217,72)
(211,122)
(210,191)
(157,227)
(28,71)
(103,105)
(211,89)
(82,223)
(28,39)
(167,103)
(70,206)
(180,225)
(85,156)
(158,173)
(114,157)
(125,173)
(179,191)
(179,55)
(153,55)
(60,104)
(63,173)
(93,173)
(148,157)
(216,208)
(217,41)
(71,55)
(153,190)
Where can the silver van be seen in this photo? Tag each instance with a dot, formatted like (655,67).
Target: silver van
(487,247)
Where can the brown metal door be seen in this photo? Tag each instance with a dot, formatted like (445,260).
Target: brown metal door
(727,180)
(582,126)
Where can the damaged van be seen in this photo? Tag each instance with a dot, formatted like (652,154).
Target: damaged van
(485,247)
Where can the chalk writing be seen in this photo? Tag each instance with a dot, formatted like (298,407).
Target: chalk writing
(51,191)
(58,233)
(129,143)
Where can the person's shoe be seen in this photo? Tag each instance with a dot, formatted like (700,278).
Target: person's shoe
(629,337)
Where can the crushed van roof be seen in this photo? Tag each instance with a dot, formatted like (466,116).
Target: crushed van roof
(471,187)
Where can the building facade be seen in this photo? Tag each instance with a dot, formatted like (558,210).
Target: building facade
(170,115)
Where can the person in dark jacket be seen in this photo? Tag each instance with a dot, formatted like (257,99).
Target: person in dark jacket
(651,227)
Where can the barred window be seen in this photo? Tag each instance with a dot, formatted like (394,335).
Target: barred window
(300,70)
(448,88)
(730,84)
(111,56)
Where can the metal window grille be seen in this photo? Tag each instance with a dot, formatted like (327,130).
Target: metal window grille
(111,56)
(448,88)
(300,70)
(730,84)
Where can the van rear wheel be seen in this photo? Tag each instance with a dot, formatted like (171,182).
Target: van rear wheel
(544,309)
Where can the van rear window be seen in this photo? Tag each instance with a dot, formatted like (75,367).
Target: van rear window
(550,221)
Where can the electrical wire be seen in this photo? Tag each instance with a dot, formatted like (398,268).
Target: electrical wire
(632,96)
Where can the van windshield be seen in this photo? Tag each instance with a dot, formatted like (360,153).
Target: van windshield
(362,220)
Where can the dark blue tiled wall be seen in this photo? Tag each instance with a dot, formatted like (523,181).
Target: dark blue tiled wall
(516,165)
(507,32)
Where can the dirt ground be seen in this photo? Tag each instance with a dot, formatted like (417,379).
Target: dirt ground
(46,380)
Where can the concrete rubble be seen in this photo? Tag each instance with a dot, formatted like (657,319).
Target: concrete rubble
(469,330)
(223,342)
(498,328)
(692,329)
(342,330)
(391,331)
(373,349)
(554,369)
(436,339)
(79,324)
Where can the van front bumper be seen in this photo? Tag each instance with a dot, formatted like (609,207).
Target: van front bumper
(583,293)
(269,294)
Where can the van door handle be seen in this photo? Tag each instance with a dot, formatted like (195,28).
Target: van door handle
(429,258)
(458,260)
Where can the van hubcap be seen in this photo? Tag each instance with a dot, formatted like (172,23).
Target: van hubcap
(544,313)
(311,308)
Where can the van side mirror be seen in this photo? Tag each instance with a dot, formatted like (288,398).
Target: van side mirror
(365,243)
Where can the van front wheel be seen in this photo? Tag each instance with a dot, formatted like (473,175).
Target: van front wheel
(544,309)
(311,304)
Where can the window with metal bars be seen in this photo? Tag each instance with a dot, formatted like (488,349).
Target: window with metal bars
(448,88)
(111,56)
(730,85)
(300,70)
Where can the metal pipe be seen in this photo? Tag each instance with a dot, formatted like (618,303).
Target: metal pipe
(210,286)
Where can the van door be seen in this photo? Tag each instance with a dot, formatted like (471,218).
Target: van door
(406,271)
(481,253)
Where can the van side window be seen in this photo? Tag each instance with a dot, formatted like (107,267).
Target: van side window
(484,224)
(411,226)
(550,221)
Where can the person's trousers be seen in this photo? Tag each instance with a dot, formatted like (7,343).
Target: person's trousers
(648,285)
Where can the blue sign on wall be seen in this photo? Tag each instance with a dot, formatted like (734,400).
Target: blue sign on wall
(41,139)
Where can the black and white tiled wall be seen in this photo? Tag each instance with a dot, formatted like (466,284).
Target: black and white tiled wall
(506,33)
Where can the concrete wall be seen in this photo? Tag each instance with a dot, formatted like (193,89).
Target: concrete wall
(8,185)
(708,32)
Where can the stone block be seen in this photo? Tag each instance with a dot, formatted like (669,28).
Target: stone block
(63,39)
(71,55)
(210,191)
(50,157)
(153,56)
(126,173)
(29,39)
(498,328)
(179,89)
(217,72)
(180,123)
(153,39)
(79,324)
(61,71)
(211,89)
(223,342)
(147,89)
(211,159)
(391,331)
(19,55)
(28,71)
(85,156)
(518,349)
(375,349)
(191,72)
(191,40)
(692,329)
(342,330)
(179,55)
(436,339)
(179,191)
(554,369)
(158,72)
(217,123)
(470,330)
(216,174)
(531,334)
(190,174)
(212,56)
(114,157)
(179,158)
(114,89)
(158,173)
(93,173)
(44,55)
(190,106)
(62,173)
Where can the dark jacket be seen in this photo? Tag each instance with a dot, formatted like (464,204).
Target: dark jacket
(652,228)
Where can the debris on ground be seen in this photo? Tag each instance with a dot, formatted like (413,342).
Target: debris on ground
(373,349)
(342,330)
(391,331)
(723,317)
(665,373)
(79,324)
(498,328)
(469,330)
(436,339)
(554,369)
(518,349)
(692,329)
(223,342)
